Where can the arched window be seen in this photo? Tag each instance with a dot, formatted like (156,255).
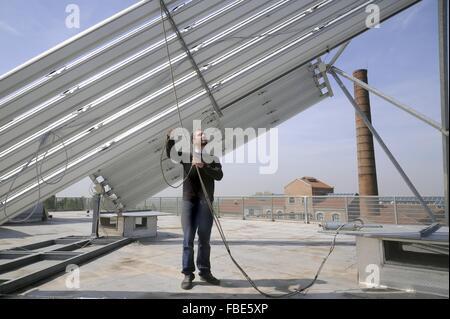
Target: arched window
(319,216)
(280,214)
(336,217)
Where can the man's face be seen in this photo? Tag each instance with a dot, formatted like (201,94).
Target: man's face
(199,138)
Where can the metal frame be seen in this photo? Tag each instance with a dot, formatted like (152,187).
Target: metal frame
(26,255)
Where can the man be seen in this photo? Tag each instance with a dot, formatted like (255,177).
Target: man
(196,215)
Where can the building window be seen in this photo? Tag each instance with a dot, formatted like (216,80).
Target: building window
(319,216)
(291,200)
(336,217)
(280,214)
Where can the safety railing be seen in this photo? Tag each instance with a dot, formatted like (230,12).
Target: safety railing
(402,210)
(371,209)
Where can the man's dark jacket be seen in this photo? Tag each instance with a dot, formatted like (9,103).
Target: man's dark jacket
(211,171)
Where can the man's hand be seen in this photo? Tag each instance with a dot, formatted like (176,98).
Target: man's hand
(198,164)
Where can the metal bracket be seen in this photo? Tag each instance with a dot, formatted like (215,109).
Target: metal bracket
(427,231)
(104,188)
(191,59)
(319,70)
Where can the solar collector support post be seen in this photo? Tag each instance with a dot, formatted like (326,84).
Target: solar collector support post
(443,57)
(191,58)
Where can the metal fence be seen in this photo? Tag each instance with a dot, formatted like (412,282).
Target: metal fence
(68,203)
(371,209)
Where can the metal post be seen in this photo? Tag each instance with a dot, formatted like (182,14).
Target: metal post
(190,57)
(218,207)
(346,208)
(95,214)
(305,199)
(395,211)
(443,58)
(391,100)
(384,147)
(271,211)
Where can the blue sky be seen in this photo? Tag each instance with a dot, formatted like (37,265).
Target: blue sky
(402,59)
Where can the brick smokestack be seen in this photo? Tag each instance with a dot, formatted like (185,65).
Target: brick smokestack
(367,173)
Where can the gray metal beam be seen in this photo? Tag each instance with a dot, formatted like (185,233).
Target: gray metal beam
(393,101)
(190,57)
(30,279)
(338,53)
(34,246)
(95,214)
(60,255)
(38,255)
(443,58)
(13,254)
(20,262)
(73,246)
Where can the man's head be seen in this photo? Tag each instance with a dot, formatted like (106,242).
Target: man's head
(199,138)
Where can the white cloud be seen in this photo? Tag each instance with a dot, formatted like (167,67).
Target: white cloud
(410,15)
(7,28)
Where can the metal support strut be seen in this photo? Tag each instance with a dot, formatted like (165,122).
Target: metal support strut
(191,59)
(391,100)
(443,12)
(95,215)
(388,153)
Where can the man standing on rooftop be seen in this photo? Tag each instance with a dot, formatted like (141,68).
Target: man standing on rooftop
(196,215)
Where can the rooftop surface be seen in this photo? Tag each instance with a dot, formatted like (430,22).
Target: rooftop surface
(277,255)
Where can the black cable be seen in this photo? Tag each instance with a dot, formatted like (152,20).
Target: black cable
(178,106)
(252,283)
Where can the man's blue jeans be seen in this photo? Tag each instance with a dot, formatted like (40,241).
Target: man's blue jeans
(196,217)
